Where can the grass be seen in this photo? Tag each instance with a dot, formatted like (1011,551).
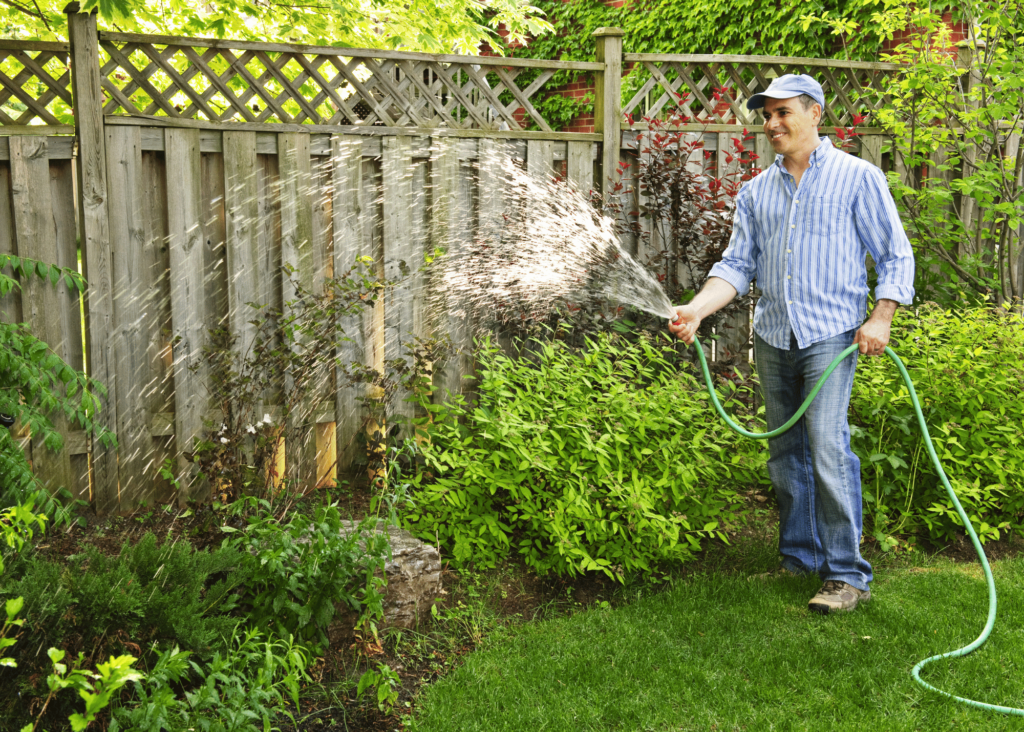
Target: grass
(720,652)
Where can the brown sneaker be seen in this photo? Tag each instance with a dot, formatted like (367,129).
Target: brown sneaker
(835,596)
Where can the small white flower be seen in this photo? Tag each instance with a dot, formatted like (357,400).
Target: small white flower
(223,428)
(267,419)
(250,429)
(224,440)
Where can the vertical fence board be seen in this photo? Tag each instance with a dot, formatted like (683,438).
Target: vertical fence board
(351,240)
(242,245)
(158,373)
(735,330)
(323,268)
(444,233)
(214,259)
(188,295)
(10,305)
(36,236)
(295,171)
(871,149)
(580,165)
(399,260)
(62,193)
(540,156)
(129,344)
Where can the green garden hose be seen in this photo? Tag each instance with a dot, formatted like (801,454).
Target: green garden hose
(916,672)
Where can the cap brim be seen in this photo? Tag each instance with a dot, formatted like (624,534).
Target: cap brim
(757,101)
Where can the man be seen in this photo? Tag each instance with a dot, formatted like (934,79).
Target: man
(802,229)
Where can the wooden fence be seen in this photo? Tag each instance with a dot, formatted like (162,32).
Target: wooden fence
(183,173)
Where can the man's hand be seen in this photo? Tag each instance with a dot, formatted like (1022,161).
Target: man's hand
(873,336)
(686,323)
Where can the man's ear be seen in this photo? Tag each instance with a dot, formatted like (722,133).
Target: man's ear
(821,112)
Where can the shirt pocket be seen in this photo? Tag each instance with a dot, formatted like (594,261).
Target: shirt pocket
(828,216)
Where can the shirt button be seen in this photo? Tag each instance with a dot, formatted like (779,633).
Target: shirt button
(796,201)
(788,251)
(792,226)
(789,277)
(790,302)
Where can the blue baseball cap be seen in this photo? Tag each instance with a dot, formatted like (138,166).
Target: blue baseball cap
(788,86)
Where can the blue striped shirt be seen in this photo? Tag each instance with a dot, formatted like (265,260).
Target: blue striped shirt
(806,247)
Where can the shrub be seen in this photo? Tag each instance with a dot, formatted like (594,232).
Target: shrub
(603,459)
(968,376)
(36,386)
(240,690)
(147,593)
(292,575)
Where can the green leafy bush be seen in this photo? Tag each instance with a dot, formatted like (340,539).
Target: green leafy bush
(601,459)
(36,385)
(167,593)
(241,689)
(966,369)
(292,575)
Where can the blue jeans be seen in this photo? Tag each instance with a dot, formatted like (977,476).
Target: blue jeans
(814,471)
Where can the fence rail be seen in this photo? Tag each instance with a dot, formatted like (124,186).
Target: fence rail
(199,167)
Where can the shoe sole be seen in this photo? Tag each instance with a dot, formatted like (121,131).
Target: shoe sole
(823,609)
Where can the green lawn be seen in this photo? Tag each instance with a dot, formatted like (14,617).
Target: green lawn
(721,652)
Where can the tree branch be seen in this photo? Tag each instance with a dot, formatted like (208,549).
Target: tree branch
(24,10)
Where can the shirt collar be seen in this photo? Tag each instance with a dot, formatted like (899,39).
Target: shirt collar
(824,148)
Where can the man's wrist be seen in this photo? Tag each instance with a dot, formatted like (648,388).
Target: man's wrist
(884,310)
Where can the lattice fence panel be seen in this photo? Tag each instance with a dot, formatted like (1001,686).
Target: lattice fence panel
(35,84)
(714,90)
(246,82)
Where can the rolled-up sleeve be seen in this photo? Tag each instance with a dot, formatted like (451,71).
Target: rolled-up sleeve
(739,261)
(880,229)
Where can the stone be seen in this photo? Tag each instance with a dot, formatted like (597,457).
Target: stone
(413,577)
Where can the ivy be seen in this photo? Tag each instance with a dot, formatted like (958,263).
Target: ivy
(745,27)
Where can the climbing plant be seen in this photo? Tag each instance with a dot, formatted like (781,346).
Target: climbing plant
(786,28)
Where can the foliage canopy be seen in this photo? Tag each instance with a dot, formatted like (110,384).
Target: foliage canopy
(443,26)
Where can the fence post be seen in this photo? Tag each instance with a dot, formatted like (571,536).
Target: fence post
(95,238)
(608,103)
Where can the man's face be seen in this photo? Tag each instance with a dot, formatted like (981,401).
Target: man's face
(790,127)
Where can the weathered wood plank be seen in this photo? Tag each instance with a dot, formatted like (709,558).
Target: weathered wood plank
(215,273)
(241,209)
(539,157)
(128,342)
(36,236)
(8,44)
(158,368)
(188,299)
(608,103)
(735,330)
(444,234)
(62,194)
(346,52)
(399,262)
(143,120)
(10,305)
(323,268)
(580,165)
(297,252)
(95,238)
(351,240)
(59,147)
(871,149)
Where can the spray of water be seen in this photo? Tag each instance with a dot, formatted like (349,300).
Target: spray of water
(550,247)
